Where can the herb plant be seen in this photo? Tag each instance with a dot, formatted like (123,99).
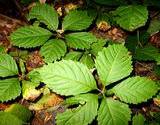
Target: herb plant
(53,49)
(93,74)
(113,64)
(10,87)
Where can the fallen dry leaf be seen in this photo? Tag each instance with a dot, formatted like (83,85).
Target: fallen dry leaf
(103,26)
(156,101)
(155,40)
(48,100)
(34,61)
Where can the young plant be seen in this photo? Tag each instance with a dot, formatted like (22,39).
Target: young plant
(10,87)
(53,39)
(106,94)
(10,84)
(116,89)
(56,40)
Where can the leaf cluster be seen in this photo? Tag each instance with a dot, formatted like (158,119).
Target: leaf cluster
(93,75)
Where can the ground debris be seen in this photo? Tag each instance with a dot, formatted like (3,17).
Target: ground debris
(44,117)
(7,26)
(114,34)
(34,61)
(145,69)
(46,109)
(155,40)
(3,106)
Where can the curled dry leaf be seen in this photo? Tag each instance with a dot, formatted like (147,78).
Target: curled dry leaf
(156,101)
(103,26)
(68,7)
(59,11)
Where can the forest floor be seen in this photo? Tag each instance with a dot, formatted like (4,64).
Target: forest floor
(12,16)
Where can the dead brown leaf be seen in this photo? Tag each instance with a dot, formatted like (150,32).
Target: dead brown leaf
(155,40)
(34,61)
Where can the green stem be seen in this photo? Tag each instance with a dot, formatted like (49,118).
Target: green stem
(138,39)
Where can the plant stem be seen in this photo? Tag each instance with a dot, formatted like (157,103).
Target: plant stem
(138,38)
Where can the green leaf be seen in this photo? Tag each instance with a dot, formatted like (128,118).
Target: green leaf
(92,12)
(30,36)
(97,46)
(157,70)
(131,17)
(10,89)
(113,112)
(9,119)
(105,17)
(76,20)
(73,55)
(149,52)
(113,63)
(81,40)
(135,90)
(53,50)
(46,14)
(19,54)
(8,66)
(158,60)
(154,26)
(34,76)
(68,75)
(20,112)
(2,49)
(131,43)
(138,120)
(83,114)
(87,60)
